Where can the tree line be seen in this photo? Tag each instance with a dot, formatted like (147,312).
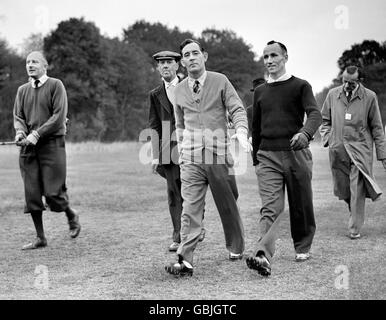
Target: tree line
(108,79)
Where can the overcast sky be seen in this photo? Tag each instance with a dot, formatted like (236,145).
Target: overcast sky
(315,32)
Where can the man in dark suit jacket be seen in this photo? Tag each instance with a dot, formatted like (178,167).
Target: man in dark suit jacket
(164,144)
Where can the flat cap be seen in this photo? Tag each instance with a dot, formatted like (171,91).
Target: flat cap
(166,55)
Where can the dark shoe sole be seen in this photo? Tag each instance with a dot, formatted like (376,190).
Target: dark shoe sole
(74,233)
(172,249)
(75,227)
(182,272)
(255,264)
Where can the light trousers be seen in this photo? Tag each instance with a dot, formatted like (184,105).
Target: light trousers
(357,200)
(195,179)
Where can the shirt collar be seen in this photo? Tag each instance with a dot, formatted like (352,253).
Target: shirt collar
(284,77)
(173,83)
(201,80)
(358,91)
(353,92)
(42,80)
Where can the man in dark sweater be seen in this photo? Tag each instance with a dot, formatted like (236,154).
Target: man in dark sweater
(282,157)
(40,122)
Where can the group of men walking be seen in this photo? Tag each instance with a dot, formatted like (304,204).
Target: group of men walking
(191,150)
(199,108)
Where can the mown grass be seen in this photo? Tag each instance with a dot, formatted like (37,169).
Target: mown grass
(122,249)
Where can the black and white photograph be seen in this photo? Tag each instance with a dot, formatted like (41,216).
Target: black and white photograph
(194,155)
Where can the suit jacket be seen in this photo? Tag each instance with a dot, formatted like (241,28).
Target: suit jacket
(162,122)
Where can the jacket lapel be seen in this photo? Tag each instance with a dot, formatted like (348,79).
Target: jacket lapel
(163,98)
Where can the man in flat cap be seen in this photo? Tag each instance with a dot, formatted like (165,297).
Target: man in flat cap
(164,144)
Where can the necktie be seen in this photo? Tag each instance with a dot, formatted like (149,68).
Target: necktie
(36,83)
(349,94)
(196,86)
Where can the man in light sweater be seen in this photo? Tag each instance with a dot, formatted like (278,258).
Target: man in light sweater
(164,145)
(40,112)
(202,101)
(282,157)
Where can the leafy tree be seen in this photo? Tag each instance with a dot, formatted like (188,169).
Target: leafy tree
(154,37)
(35,42)
(128,78)
(367,53)
(12,75)
(229,54)
(107,81)
(74,53)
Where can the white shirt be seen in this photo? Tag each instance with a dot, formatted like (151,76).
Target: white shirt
(42,80)
(284,77)
(353,92)
(170,86)
(201,80)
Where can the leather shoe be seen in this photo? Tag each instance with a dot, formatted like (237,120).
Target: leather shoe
(235,256)
(174,246)
(259,263)
(74,226)
(179,269)
(38,243)
(300,257)
(355,236)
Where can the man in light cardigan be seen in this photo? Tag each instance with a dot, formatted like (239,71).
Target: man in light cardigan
(202,101)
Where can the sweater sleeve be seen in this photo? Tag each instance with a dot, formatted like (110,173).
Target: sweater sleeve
(314,117)
(18,114)
(59,110)
(180,125)
(235,107)
(256,127)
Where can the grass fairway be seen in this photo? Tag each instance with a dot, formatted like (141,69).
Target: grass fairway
(126,229)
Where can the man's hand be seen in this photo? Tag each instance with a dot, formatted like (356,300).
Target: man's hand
(154,165)
(384,163)
(20,136)
(31,139)
(299,141)
(242,137)
(23,140)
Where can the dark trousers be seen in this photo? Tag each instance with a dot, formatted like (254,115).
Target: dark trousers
(43,169)
(173,181)
(275,171)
